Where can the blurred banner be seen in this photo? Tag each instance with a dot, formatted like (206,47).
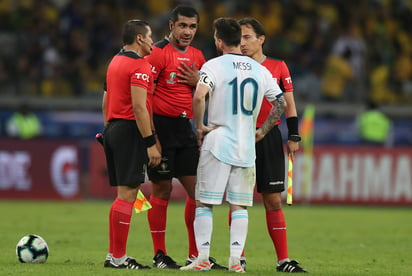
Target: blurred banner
(50,169)
(340,175)
(357,175)
(39,169)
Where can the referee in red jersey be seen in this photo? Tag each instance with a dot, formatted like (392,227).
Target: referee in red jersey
(129,142)
(175,66)
(270,158)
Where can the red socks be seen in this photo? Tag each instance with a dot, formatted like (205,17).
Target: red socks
(157,216)
(111,230)
(190,209)
(120,216)
(276,225)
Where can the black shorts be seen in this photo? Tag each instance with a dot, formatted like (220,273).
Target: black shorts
(270,163)
(126,153)
(180,152)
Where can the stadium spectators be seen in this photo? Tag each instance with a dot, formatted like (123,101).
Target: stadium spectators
(64,46)
(336,76)
(24,124)
(374,126)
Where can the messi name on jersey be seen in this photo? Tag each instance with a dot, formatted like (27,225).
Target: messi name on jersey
(242,65)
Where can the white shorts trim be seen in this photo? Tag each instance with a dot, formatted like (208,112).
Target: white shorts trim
(214,178)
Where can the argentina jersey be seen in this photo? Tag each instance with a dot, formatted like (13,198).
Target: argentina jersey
(237,87)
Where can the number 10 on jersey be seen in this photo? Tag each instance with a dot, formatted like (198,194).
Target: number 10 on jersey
(249,86)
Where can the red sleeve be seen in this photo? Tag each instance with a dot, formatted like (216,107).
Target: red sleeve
(201,60)
(142,75)
(155,59)
(285,77)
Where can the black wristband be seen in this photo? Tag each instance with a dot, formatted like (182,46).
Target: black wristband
(293,125)
(149,141)
(294,138)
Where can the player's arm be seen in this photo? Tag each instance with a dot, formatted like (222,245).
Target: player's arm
(290,111)
(152,126)
(139,95)
(199,105)
(104,104)
(278,107)
(292,123)
(104,108)
(204,86)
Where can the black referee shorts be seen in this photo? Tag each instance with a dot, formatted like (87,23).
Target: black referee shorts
(180,152)
(126,153)
(270,163)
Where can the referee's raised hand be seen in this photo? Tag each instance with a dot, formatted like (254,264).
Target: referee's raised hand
(188,74)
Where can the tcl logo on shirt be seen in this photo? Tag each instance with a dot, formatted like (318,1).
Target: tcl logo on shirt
(141,76)
(154,70)
(287,80)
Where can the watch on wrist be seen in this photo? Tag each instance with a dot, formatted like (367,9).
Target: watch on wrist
(294,138)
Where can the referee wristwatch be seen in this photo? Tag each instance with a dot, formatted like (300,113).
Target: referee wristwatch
(294,138)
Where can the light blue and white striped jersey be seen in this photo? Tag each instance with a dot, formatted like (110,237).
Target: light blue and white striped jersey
(237,87)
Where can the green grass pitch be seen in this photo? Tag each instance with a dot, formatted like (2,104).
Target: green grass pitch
(326,240)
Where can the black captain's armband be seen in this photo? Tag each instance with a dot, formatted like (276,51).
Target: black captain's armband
(204,79)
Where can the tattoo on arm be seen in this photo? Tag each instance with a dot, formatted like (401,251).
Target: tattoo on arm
(277,110)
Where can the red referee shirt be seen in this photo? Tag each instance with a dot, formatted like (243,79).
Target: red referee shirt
(125,70)
(280,72)
(170,97)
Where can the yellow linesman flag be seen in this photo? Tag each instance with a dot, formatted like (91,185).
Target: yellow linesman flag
(290,181)
(307,125)
(141,203)
(306,131)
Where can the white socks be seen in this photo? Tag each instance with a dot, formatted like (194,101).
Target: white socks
(238,232)
(203,226)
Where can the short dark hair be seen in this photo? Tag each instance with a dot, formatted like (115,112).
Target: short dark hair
(132,28)
(228,30)
(255,24)
(186,11)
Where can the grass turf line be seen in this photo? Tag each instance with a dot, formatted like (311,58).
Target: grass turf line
(326,240)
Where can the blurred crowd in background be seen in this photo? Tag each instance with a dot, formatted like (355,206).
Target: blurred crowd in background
(337,50)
